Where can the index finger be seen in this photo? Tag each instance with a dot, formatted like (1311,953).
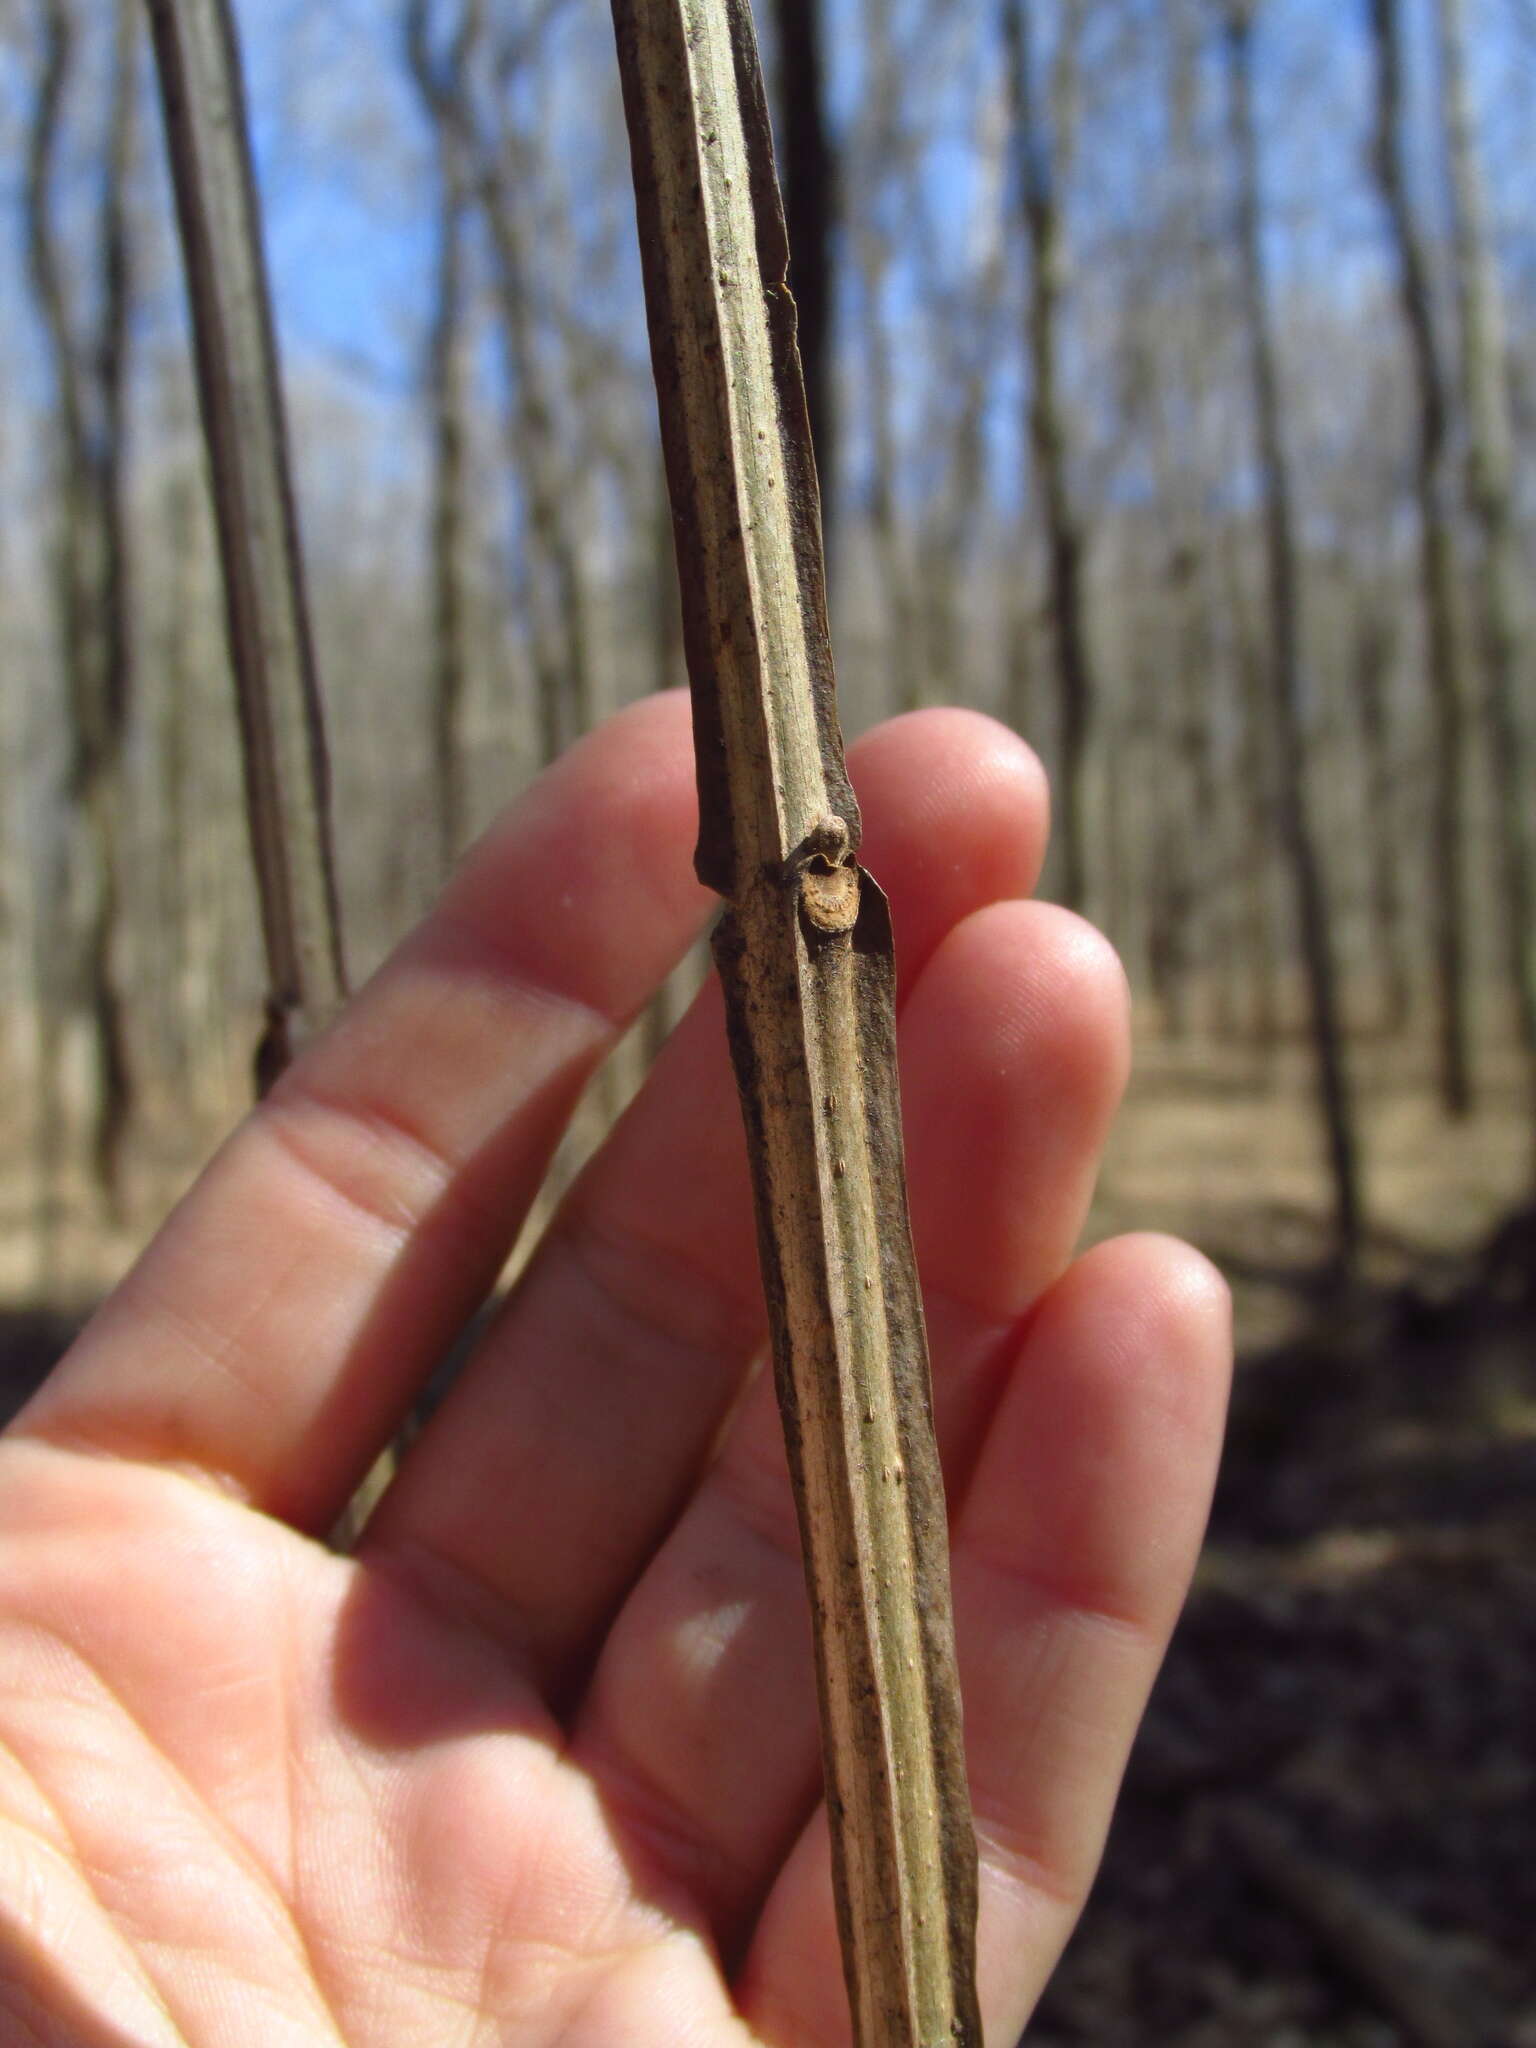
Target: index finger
(280,1325)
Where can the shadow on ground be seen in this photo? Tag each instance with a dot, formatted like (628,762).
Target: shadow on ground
(32,1340)
(1327,1833)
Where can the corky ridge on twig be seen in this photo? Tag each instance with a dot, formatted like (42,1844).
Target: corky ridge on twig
(806,957)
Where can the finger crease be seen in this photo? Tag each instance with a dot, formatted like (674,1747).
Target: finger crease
(1082,1599)
(483,955)
(758,1493)
(1009,1854)
(654,1290)
(304,1124)
(438,1584)
(678,1846)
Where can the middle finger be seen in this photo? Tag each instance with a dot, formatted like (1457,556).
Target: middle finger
(565,1453)
(700,1722)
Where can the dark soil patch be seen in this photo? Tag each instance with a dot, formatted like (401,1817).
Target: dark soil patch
(32,1340)
(1359,1657)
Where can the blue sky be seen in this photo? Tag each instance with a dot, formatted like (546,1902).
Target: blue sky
(345,169)
(349,232)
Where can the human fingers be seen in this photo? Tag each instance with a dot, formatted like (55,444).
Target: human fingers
(564,1454)
(1071,1556)
(278,1328)
(701,1717)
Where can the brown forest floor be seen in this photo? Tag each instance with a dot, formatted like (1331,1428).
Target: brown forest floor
(1358,1660)
(1355,1679)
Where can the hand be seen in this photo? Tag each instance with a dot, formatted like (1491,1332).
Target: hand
(540,1764)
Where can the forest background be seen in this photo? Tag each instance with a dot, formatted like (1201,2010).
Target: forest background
(1174,371)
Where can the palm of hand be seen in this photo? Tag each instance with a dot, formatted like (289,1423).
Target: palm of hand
(541,1763)
(238,1761)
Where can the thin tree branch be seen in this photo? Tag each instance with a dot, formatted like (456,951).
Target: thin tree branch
(58,43)
(1390,1957)
(1438,573)
(1491,500)
(271,649)
(805,955)
(447,382)
(1284,653)
(89,363)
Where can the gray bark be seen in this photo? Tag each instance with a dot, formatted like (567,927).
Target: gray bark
(1046,137)
(1371,667)
(810,214)
(1284,658)
(554,583)
(881,154)
(1447,675)
(1489,490)
(266,609)
(447,381)
(89,365)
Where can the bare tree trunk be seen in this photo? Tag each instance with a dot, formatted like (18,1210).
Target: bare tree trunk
(1205,918)
(177,672)
(879,159)
(1167,890)
(447,378)
(810,212)
(1284,670)
(271,646)
(966,367)
(1437,570)
(1184,786)
(70,575)
(74,550)
(266,607)
(945,546)
(556,587)
(909,681)
(1372,665)
(449,661)
(1257,951)
(1171,676)
(1489,488)
(1021,688)
(490,157)
(1211,832)
(90,381)
(1045,139)
(100,739)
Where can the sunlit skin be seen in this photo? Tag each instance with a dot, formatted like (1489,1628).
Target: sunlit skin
(540,1765)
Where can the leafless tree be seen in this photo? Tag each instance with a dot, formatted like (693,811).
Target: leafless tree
(443,84)
(90,367)
(1446,666)
(880,159)
(1045,131)
(966,338)
(1489,490)
(499,156)
(1284,654)
(809,171)
(1098,467)
(1372,656)
(266,604)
